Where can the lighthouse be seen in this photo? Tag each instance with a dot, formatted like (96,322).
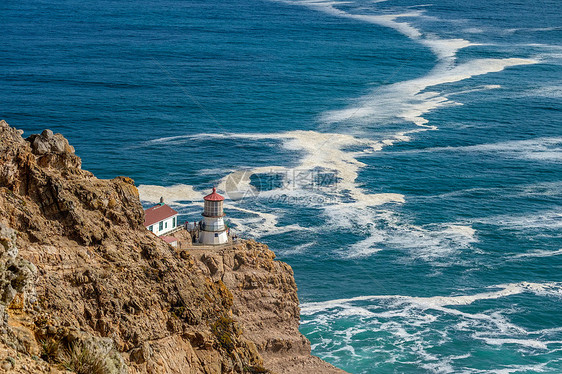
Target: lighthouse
(213,230)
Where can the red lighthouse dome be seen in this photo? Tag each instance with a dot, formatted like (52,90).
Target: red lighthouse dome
(214,196)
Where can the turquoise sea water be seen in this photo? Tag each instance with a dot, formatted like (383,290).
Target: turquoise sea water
(404,157)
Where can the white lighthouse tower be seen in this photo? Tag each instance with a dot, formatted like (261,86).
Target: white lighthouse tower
(213,230)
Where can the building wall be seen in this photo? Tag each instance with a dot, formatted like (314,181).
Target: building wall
(167,225)
(213,224)
(213,238)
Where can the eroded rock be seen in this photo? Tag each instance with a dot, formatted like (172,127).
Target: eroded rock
(82,269)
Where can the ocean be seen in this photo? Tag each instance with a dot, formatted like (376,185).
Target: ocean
(403,157)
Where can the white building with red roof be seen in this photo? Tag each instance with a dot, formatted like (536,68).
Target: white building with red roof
(160,219)
(213,231)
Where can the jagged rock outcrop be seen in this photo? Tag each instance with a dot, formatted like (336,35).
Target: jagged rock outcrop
(265,304)
(17,278)
(53,151)
(90,283)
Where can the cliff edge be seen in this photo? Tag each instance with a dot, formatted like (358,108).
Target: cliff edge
(85,288)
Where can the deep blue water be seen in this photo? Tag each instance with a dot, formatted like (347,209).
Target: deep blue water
(404,157)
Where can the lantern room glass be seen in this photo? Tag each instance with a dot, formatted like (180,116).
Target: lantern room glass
(213,209)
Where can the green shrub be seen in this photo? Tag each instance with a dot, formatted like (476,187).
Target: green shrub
(226,330)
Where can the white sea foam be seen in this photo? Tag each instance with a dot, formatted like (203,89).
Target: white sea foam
(539,253)
(438,302)
(328,151)
(415,326)
(443,48)
(319,150)
(531,29)
(408,101)
(262,224)
(324,151)
(365,247)
(300,248)
(544,220)
(540,149)
(466,231)
(531,343)
(171,194)
(385,229)
(548,149)
(474,30)
(537,368)
(486,87)
(552,92)
(550,189)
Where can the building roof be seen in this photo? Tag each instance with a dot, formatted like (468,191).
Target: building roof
(169,239)
(157,213)
(214,196)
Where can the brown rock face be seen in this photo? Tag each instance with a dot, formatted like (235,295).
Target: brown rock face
(80,274)
(265,304)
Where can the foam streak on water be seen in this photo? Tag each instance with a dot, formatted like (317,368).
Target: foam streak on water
(419,325)
(399,332)
(434,130)
(405,101)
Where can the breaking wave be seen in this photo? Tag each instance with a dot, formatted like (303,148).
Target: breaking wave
(394,331)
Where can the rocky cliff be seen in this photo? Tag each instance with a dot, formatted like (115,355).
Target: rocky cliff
(85,288)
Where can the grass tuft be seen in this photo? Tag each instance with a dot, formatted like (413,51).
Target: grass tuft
(82,360)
